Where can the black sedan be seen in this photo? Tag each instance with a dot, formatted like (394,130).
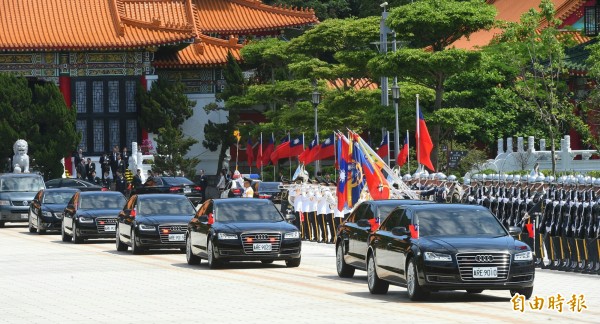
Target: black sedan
(173,185)
(154,221)
(82,185)
(353,233)
(91,214)
(47,208)
(241,229)
(427,248)
(270,190)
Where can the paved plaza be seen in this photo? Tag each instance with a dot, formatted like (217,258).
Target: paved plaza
(44,280)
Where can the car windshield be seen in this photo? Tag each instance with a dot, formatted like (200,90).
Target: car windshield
(101,202)
(57,197)
(177,181)
(269,186)
(458,222)
(247,212)
(167,206)
(21,184)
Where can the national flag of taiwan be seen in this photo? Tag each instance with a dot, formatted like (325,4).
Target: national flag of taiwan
(259,155)
(296,146)
(403,154)
(282,150)
(378,186)
(249,152)
(355,175)
(268,150)
(307,156)
(342,156)
(325,150)
(424,142)
(384,147)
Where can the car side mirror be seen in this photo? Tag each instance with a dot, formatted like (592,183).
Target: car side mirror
(514,230)
(203,219)
(363,223)
(290,217)
(400,231)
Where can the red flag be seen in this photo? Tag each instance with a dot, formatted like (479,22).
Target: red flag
(307,156)
(249,152)
(378,186)
(282,150)
(383,149)
(259,156)
(403,155)
(529,227)
(414,231)
(268,150)
(425,143)
(296,146)
(325,150)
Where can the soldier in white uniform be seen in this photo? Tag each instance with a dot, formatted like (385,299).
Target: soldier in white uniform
(311,210)
(321,212)
(298,209)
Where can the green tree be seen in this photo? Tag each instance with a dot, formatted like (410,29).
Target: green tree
(166,100)
(15,117)
(171,149)
(429,27)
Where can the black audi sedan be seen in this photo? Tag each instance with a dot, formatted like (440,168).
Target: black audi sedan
(82,185)
(241,229)
(433,247)
(173,185)
(91,214)
(47,208)
(156,221)
(353,233)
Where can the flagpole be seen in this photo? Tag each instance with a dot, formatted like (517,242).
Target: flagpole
(251,149)
(335,159)
(388,147)
(418,134)
(272,138)
(408,149)
(261,156)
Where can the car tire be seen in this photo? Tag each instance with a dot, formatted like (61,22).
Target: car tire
(39,228)
(266,261)
(76,238)
(1,224)
(30,226)
(376,285)
(65,237)
(190,257)
(344,270)
(415,291)
(474,291)
(527,292)
(293,263)
(212,261)
(120,245)
(135,248)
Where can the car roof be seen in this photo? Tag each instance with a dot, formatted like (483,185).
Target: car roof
(241,201)
(61,189)
(159,195)
(19,175)
(398,202)
(100,193)
(447,206)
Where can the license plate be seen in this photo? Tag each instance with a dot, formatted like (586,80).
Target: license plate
(176,237)
(489,272)
(110,228)
(24,216)
(262,247)
(187,190)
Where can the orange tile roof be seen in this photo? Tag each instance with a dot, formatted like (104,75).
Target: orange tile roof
(93,24)
(206,51)
(576,35)
(248,16)
(511,10)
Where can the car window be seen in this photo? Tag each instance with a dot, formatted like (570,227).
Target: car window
(385,210)
(244,212)
(52,183)
(359,213)
(455,222)
(101,201)
(177,181)
(165,206)
(393,220)
(57,197)
(21,184)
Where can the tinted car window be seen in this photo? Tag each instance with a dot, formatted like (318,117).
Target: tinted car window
(21,184)
(396,218)
(57,197)
(385,210)
(268,186)
(458,222)
(177,181)
(101,202)
(165,206)
(359,213)
(243,212)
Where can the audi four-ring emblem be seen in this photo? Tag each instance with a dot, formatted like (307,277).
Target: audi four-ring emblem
(261,237)
(484,258)
(176,228)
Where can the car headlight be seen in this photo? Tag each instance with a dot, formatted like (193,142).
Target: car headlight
(46,214)
(4,202)
(434,256)
(85,220)
(59,215)
(524,256)
(227,236)
(144,227)
(292,235)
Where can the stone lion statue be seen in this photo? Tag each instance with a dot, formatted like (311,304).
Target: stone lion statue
(21,158)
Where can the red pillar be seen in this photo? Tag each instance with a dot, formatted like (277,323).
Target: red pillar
(64,84)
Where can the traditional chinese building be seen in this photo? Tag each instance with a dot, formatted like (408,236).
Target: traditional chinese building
(99,51)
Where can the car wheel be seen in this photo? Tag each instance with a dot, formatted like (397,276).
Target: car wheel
(266,261)
(30,226)
(474,291)
(527,292)
(1,224)
(293,263)
(76,238)
(212,261)
(135,248)
(120,245)
(39,228)
(344,270)
(376,285)
(415,291)
(65,237)
(191,258)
